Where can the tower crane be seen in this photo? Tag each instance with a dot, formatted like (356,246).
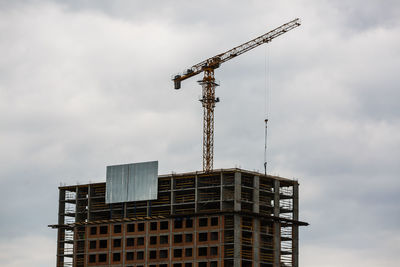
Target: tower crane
(209,84)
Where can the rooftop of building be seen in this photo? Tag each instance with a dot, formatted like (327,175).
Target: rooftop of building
(202,173)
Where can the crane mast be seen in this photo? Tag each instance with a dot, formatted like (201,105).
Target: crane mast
(208,84)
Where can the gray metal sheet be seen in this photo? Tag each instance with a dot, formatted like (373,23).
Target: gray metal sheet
(132,182)
(116,189)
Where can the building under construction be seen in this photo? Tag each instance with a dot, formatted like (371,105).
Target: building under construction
(226,217)
(213,218)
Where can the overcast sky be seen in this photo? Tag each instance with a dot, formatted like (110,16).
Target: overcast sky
(86,84)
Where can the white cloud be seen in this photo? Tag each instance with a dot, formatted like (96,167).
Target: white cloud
(29,250)
(329,256)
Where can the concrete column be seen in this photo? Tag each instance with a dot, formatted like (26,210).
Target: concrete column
(123,253)
(172,195)
(256,241)
(195,249)
(86,256)
(238,192)
(196,199)
(109,243)
(221,191)
(256,195)
(221,233)
(146,242)
(89,203)
(75,242)
(276,198)
(87,229)
(237,240)
(236,218)
(60,231)
(277,226)
(295,228)
(170,237)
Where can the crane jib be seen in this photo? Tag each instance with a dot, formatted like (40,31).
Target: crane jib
(234,52)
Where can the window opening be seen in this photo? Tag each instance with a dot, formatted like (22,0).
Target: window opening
(188,252)
(178,253)
(177,238)
(131,228)
(117,229)
(103,243)
(103,230)
(102,257)
(117,243)
(203,222)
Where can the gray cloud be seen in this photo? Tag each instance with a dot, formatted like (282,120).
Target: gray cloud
(85,84)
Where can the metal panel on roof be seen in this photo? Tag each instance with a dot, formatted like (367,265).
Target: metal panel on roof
(143,181)
(116,190)
(132,182)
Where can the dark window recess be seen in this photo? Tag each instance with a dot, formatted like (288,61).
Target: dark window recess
(214,221)
(163,254)
(164,225)
(153,240)
(103,244)
(117,229)
(92,258)
(139,265)
(153,254)
(152,265)
(189,223)
(188,252)
(202,252)
(131,228)
(188,264)
(214,235)
(177,264)
(129,256)
(163,239)
(140,241)
(103,230)
(140,227)
(178,223)
(202,264)
(117,243)
(203,222)
(130,242)
(102,257)
(203,237)
(153,226)
(188,238)
(213,251)
(177,238)
(116,256)
(93,230)
(140,255)
(163,265)
(92,244)
(214,264)
(178,253)
(229,263)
